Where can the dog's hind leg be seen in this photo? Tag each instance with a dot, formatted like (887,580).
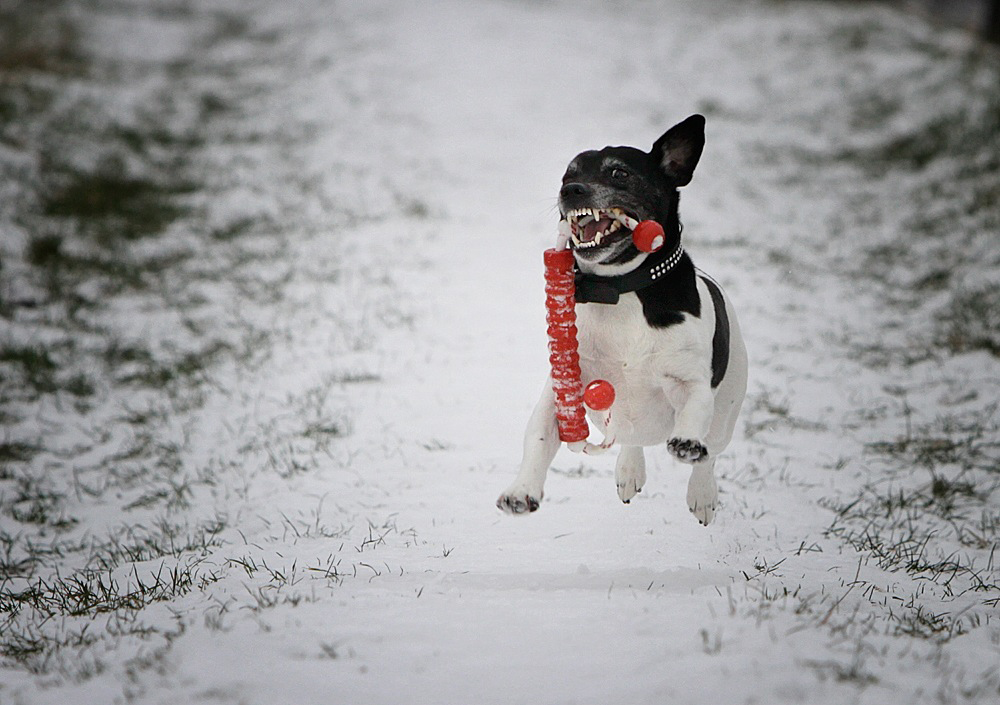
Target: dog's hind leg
(541,441)
(630,472)
(703,492)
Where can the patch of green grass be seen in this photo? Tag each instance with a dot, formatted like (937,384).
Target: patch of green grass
(66,274)
(184,367)
(161,539)
(21,648)
(853,672)
(32,501)
(92,592)
(79,385)
(37,368)
(112,205)
(357,378)
(768,413)
(324,430)
(971,322)
(17,452)
(912,151)
(38,371)
(45,251)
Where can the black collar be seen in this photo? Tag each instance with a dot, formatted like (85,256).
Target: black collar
(591,288)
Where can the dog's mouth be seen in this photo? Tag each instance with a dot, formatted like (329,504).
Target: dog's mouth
(592,227)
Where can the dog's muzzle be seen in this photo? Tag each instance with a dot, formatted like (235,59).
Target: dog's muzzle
(590,227)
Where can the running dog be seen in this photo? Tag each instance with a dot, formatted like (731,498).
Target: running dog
(660,330)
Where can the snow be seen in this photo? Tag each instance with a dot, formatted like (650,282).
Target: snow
(403,188)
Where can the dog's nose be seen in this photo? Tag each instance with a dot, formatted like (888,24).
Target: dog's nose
(574,190)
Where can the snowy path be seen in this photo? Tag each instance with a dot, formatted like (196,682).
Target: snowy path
(372,567)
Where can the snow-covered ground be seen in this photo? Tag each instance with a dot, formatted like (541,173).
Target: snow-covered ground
(251,454)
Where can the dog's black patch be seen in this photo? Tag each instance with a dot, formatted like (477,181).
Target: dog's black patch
(720,341)
(665,302)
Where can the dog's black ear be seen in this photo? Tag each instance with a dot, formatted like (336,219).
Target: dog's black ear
(679,149)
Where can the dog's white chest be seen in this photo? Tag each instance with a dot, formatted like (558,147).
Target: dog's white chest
(644,364)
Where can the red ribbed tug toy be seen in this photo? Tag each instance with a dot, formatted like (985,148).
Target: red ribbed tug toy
(560,305)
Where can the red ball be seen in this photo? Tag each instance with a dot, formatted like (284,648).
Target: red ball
(599,395)
(648,236)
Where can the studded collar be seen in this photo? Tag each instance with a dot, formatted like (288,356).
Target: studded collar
(591,288)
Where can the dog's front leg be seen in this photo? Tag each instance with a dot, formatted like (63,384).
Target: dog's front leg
(694,405)
(541,441)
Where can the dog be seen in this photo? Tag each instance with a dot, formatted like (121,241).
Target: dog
(660,330)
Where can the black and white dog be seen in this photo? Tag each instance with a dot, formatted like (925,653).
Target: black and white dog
(661,331)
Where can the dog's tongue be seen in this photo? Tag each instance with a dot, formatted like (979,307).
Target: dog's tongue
(591,229)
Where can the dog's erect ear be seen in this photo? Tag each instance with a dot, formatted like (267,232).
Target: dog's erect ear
(679,149)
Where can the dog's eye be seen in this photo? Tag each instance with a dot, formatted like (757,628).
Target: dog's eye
(619,173)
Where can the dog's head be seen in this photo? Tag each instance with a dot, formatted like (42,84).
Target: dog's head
(606,193)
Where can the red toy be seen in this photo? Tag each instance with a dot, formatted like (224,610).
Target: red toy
(599,395)
(648,236)
(560,305)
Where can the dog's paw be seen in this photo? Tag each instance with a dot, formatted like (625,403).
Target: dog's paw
(702,495)
(630,473)
(629,488)
(687,450)
(518,502)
